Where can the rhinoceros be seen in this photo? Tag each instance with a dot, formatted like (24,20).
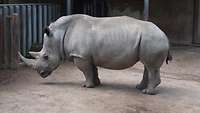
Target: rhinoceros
(109,42)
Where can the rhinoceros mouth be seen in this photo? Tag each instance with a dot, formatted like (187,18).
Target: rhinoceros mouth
(45,74)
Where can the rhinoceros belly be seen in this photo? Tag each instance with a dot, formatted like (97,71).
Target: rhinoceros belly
(115,62)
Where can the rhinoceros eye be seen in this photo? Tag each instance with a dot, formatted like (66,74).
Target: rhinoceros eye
(46,57)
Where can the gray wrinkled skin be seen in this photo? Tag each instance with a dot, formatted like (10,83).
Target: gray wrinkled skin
(110,42)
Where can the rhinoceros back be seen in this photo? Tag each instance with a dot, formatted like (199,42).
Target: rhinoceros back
(107,42)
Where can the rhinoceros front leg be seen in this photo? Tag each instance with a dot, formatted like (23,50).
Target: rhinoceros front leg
(144,82)
(89,71)
(153,81)
(96,77)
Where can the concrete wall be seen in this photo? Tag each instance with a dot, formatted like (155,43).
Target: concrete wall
(132,8)
(175,17)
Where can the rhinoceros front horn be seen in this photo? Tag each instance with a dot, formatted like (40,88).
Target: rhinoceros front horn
(28,62)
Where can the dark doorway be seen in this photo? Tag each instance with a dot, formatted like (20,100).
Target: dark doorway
(196,38)
(96,8)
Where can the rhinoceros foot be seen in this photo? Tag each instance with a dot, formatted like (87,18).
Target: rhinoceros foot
(96,82)
(149,91)
(88,84)
(140,86)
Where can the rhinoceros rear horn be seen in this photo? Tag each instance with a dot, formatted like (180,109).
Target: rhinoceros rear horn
(34,54)
(29,62)
(47,31)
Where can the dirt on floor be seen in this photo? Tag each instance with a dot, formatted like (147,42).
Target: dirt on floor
(24,91)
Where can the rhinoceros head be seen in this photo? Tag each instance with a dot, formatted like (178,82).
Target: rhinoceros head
(48,59)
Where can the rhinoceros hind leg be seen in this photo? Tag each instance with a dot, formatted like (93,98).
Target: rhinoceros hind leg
(87,70)
(144,82)
(153,81)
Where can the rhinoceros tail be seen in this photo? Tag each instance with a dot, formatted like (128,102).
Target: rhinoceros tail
(169,57)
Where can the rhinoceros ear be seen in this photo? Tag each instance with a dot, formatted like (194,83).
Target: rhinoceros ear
(47,31)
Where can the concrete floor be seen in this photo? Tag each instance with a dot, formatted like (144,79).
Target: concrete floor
(23,91)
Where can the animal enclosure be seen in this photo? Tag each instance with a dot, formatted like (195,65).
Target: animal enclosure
(21,26)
